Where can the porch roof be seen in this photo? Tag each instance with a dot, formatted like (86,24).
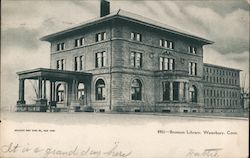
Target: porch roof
(54,74)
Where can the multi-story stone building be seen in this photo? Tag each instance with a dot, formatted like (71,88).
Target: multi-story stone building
(125,62)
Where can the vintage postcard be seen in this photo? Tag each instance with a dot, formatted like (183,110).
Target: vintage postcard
(124,79)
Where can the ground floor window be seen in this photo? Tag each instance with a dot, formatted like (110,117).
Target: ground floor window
(136,90)
(80,91)
(193,94)
(60,93)
(100,90)
(166,91)
(175,90)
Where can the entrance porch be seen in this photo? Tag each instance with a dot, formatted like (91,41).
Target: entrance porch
(68,90)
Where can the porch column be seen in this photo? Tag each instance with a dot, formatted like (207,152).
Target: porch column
(73,92)
(186,92)
(88,93)
(53,91)
(44,88)
(39,88)
(21,92)
(171,91)
(181,87)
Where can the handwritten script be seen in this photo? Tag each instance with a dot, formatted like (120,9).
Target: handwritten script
(206,153)
(77,151)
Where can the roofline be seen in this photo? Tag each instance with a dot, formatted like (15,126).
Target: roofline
(213,65)
(117,15)
(51,70)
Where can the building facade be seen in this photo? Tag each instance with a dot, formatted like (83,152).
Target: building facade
(124,62)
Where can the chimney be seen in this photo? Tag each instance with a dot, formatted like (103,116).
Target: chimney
(105,8)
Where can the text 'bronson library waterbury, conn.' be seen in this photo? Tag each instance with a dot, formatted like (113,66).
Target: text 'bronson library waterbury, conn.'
(128,63)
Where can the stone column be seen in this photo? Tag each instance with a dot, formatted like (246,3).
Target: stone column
(44,88)
(21,92)
(171,91)
(51,92)
(186,92)
(39,88)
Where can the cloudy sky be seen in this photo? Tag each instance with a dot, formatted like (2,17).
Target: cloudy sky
(23,22)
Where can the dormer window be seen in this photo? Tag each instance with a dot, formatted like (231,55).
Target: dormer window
(100,36)
(60,46)
(192,49)
(136,36)
(166,44)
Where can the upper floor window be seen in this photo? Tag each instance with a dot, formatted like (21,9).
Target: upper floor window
(78,63)
(100,36)
(136,90)
(60,46)
(60,64)
(79,42)
(167,63)
(136,59)
(167,44)
(100,59)
(192,68)
(136,36)
(192,49)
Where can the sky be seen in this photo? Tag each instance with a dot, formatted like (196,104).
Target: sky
(23,22)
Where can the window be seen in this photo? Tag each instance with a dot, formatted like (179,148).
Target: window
(60,46)
(192,49)
(101,59)
(136,59)
(136,36)
(166,44)
(60,93)
(79,42)
(100,36)
(136,90)
(193,94)
(80,91)
(175,91)
(78,63)
(166,91)
(192,68)
(167,63)
(100,90)
(60,64)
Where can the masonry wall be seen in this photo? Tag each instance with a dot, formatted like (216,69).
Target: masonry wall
(221,89)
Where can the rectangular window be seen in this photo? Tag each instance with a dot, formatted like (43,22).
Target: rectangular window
(136,59)
(166,91)
(78,63)
(166,44)
(175,91)
(100,36)
(101,59)
(192,68)
(60,64)
(60,46)
(167,63)
(192,49)
(136,36)
(79,42)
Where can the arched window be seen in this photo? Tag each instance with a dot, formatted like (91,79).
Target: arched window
(136,90)
(193,94)
(60,93)
(80,91)
(100,90)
